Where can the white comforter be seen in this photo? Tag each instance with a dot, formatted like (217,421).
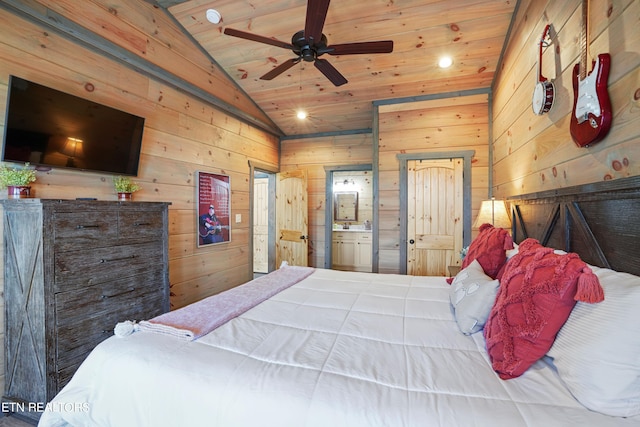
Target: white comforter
(337,349)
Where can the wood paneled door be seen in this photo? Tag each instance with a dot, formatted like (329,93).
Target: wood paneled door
(434,215)
(291,218)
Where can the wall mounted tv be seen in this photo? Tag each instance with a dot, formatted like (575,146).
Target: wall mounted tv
(49,128)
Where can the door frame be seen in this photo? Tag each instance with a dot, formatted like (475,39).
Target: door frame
(466,156)
(328,204)
(271,171)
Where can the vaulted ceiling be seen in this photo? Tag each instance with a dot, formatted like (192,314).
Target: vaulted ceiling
(471,32)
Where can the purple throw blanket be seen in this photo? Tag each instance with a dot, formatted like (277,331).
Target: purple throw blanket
(200,318)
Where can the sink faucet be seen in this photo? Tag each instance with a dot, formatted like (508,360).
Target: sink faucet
(345,226)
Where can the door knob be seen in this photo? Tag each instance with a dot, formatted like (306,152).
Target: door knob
(411,242)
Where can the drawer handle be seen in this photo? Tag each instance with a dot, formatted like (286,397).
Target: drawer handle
(103,260)
(138,224)
(81,227)
(128,291)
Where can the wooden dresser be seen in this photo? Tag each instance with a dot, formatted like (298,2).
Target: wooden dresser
(73,269)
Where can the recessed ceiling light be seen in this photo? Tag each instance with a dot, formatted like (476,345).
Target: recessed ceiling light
(445,62)
(301,115)
(213,16)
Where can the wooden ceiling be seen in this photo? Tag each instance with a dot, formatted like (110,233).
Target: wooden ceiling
(472,32)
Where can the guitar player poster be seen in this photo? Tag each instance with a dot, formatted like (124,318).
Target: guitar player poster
(214,208)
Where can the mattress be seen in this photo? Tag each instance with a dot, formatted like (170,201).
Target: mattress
(336,349)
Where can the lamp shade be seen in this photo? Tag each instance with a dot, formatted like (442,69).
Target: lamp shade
(73,147)
(493,212)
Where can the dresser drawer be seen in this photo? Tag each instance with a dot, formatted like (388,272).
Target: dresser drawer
(140,224)
(77,229)
(80,335)
(74,269)
(75,306)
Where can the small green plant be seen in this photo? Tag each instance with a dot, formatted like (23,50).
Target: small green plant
(17,177)
(123,184)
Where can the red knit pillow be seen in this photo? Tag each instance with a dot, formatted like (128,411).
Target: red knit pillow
(489,248)
(537,293)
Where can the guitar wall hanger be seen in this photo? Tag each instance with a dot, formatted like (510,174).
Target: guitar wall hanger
(545,91)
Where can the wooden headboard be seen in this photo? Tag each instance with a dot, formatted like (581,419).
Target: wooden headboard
(599,221)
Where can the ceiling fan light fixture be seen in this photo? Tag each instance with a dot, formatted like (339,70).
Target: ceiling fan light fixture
(213,16)
(445,62)
(308,44)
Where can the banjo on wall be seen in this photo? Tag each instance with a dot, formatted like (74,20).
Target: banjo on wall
(591,115)
(545,90)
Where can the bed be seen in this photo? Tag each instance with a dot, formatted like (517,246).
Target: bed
(316,347)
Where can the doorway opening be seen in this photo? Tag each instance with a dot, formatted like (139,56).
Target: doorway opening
(262,220)
(349,218)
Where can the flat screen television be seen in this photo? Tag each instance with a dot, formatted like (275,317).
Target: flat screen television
(49,128)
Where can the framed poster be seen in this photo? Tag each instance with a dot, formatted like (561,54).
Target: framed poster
(214,208)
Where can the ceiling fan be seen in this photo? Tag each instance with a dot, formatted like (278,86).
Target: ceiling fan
(309,44)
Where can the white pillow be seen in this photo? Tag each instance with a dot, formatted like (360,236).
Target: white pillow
(511,252)
(472,295)
(597,351)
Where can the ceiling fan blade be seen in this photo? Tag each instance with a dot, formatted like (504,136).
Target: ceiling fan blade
(330,72)
(256,38)
(280,69)
(385,46)
(316,15)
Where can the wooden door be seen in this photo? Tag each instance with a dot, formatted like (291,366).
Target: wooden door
(261,225)
(434,223)
(291,218)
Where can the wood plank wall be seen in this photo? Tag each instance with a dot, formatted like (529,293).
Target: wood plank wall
(314,154)
(432,126)
(182,135)
(535,153)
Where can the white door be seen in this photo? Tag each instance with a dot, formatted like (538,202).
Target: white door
(291,218)
(434,223)
(261,225)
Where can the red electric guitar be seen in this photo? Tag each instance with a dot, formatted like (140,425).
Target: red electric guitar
(591,116)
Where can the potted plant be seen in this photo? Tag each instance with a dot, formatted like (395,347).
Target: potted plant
(16,181)
(125,187)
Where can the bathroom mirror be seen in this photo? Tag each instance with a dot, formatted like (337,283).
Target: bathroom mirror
(345,206)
